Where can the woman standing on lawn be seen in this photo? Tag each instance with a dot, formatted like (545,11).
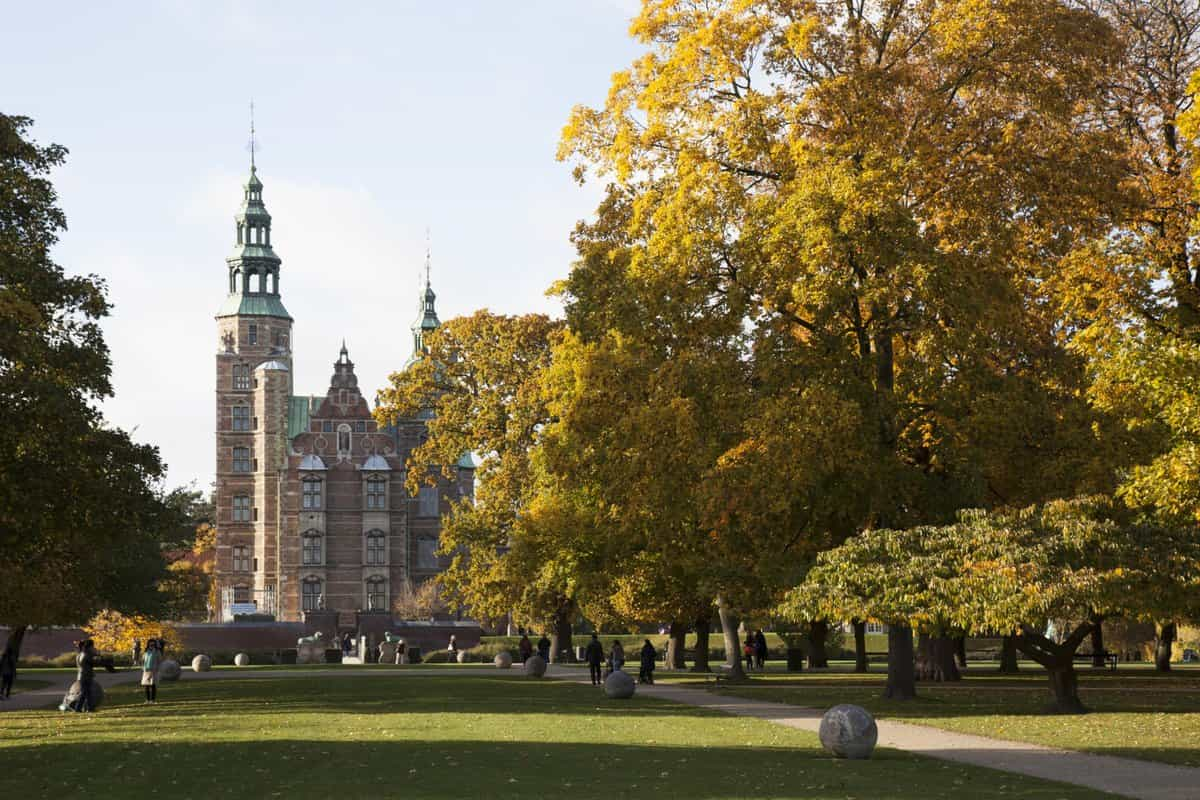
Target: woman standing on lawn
(649,654)
(150,662)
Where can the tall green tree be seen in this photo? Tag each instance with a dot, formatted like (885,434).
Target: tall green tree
(81,514)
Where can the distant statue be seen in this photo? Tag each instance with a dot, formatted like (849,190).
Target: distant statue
(227,340)
(313,639)
(392,638)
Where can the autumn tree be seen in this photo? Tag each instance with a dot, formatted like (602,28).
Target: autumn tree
(81,516)
(479,383)
(1011,571)
(866,191)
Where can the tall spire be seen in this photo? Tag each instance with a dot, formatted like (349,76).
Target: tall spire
(427,319)
(253,144)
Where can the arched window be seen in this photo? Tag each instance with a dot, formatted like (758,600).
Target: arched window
(311,593)
(376,492)
(311,547)
(241,558)
(377,548)
(312,492)
(376,593)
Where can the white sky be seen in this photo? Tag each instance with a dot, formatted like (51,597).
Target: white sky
(375,120)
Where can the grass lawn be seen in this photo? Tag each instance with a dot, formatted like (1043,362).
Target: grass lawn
(26,684)
(499,736)
(1134,713)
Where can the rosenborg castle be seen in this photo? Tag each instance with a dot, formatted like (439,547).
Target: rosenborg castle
(312,511)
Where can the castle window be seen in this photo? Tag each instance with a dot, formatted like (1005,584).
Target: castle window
(241,594)
(241,508)
(376,593)
(241,558)
(241,418)
(312,492)
(311,550)
(376,548)
(427,554)
(376,492)
(360,426)
(327,426)
(241,377)
(311,593)
(252,331)
(428,502)
(241,459)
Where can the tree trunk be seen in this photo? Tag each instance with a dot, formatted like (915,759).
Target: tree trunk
(16,635)
(960,650)
(935,659)
(1097,641)
(901,680)
(1162,647)
(1008,655)
(560,639)
(675,646)
(860,646)
(818,632)
(1064,682)
(700,662)
(733,645)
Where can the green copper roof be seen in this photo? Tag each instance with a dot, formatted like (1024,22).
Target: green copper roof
(241,252)
(299,414)
(256,305)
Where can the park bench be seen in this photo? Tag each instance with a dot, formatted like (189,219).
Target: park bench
(1110,658)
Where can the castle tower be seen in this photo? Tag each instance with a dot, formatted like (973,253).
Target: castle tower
(253,386)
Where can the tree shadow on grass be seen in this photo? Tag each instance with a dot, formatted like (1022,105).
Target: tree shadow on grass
(461,768)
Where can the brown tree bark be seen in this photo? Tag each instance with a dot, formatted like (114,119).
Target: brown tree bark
(1165,638)
(560,635)
(818,632)
(902,679)
(860,645)
(1008,655)
(1059,661)
(733,646)
(700,661)
(16,635)
(675,645)
(1097,641)
(935,659)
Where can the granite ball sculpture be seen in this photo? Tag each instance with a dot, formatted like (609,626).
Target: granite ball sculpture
(848,731)
(462,656)
(201,663)
(619,685)
(535,666)
(169,670)
(503,660)
(75,690)
(241,660)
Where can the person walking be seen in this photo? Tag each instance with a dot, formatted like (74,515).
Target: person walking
(594,656)
(401,653)
(150,662)
(649,655)
(347,645)
(748,652)
(452,649)
(525,648)
(616,656)
(8,673)
(760,649)
(543,647)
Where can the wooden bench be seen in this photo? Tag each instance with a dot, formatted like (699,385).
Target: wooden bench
(1110,658)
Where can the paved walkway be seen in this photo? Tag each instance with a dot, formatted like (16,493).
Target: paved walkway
(1147,780)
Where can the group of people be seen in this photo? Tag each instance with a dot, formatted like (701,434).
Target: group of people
(525,648)
(754,649)
(594,656)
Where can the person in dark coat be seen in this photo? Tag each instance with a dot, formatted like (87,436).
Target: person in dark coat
(649,655)
(594,656)
(760,649)
(347,645)
(544,648)
(525,648)
(85,664)
(8,673)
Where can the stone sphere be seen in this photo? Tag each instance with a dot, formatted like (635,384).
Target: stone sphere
(169,670)
(848,731)
(97,694)
(503,660)
(619,685)
(535,666)
(201,663)
(241,660)
(462,656)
